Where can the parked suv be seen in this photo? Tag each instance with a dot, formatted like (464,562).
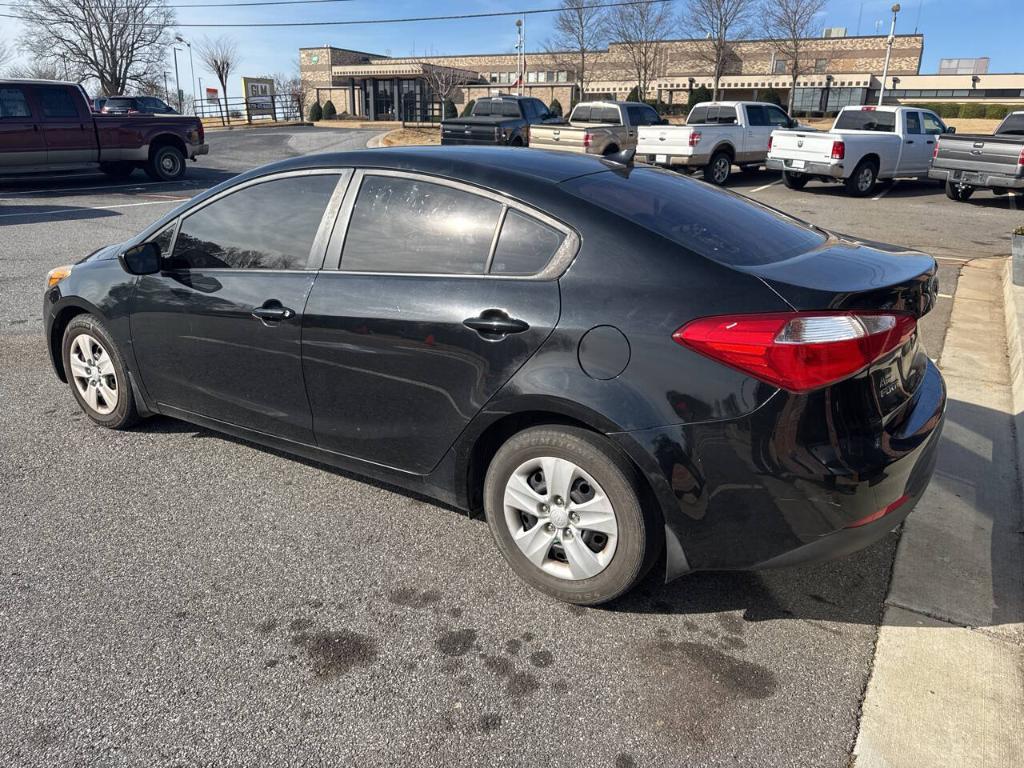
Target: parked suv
(503,120)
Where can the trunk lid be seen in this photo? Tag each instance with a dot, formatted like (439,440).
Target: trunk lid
(857,275)
(557,136)
(989,154)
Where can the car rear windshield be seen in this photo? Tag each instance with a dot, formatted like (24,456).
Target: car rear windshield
(495,107)
(703,115)
(711,222)
(604,115)
(866,120)
(120,104)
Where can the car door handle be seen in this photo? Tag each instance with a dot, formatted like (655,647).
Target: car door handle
(273,312)
(495,324)
(910,141)
(929,141)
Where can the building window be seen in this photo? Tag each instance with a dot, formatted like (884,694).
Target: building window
(563,77)
(781,67)
(820,66)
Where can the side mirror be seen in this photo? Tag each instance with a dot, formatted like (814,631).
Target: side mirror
(794,123)
(951,129)
(141,259)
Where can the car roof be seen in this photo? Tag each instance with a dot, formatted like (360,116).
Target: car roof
(34,81)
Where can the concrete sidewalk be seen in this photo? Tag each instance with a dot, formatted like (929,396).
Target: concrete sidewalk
(947,687)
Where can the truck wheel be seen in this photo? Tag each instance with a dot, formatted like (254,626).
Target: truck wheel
(959,192)
(167,163)
(795,180)
(611,149)
(516,142)
(863,179)
(117,170)
(718,168)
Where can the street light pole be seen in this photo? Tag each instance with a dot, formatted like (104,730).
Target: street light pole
(177,86)
(167,93)
(192,68)
(888,52)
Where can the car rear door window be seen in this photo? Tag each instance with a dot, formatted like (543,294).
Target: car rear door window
(642,116)
(757,115)
(271,225)
(914,122)
(13,103)
(407,225)
(56,101)
(525,245)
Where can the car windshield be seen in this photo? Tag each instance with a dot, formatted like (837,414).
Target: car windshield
(711,222)
(119,104)
(866,120)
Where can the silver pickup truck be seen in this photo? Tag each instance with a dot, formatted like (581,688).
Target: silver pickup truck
(596,128)
(966,163)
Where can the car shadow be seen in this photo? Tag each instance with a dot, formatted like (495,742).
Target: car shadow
(195,180)
(11,215)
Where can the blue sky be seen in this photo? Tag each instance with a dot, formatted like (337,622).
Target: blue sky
(952,28)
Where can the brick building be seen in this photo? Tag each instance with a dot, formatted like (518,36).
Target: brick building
(845,70)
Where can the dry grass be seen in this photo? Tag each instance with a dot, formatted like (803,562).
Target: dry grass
(405,137)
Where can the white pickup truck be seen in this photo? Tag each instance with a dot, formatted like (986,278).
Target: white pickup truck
(717,135)
(865,145)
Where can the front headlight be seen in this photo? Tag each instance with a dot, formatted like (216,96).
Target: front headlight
(57,274)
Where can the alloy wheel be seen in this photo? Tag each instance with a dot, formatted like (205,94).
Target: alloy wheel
(865,179)
(720,171)
(560,518)
(93,373)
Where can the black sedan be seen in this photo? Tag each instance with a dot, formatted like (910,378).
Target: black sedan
(618,365)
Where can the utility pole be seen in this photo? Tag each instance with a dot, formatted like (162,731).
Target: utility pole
(192,68)
(177,86)
(520,75)
(167,94)
(888,52)
(200,99)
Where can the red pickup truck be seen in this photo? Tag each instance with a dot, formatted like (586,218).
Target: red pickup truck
(47,127)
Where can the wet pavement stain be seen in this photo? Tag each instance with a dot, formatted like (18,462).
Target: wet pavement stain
(512,647)
(267,626)
(332,654)
(300,624)
(541,658)
(516,683)
(413,598)
(456,642)
(489,722)
(624,760)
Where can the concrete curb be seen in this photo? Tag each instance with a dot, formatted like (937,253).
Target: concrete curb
(377,140)
(248,127)
(947,683)
(1013,303)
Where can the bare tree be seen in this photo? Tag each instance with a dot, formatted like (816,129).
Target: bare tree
(579,29)
(715,24)
(444,82)
(38,70)
(6,54)
(220,56)
(117,43)
(291,91)
(640,31)
(789,24)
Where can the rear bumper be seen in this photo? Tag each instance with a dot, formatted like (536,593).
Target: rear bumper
(779,487)
(195,150)
(834,171)
(977,178)
(669,161)
(449,141)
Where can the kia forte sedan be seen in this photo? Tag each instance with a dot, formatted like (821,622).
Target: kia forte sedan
(619,366)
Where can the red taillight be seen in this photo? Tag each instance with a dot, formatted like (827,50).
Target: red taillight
(798,351)
(769,143)
(1020,160)
(935,151)
(202,132)
(868,109)
(838,150)
(881,513)
(586,140)
(694,138)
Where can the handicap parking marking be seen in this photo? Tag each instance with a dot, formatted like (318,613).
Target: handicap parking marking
(79,210)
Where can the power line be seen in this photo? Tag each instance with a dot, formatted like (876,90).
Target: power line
(406,20)
(224,5)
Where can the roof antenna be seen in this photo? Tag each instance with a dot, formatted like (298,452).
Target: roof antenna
(622,157)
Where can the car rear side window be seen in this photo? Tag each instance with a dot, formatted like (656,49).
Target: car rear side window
(525,245)
(408,225)
(13,103)
(932,125)
(866,120)
(56,101)
(709,221)
(270,225)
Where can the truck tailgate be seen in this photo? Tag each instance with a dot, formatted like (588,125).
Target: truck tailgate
(811,147)
(564,137)
(987,154)
(664,140)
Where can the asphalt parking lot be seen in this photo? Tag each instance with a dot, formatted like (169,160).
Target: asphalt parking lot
(172,596)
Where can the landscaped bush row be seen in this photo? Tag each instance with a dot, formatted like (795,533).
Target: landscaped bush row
(970,110)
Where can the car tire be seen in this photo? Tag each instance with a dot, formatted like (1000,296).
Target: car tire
(863,179)
(516,142)
(569,560)
(959,192)
(167,163)
(718,169)
(117,170)
(795,180)
(96,374)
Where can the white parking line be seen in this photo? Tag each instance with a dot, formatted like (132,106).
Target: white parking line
(944,295)
(758,189)
(884,192)
(58,190)
(92,208)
